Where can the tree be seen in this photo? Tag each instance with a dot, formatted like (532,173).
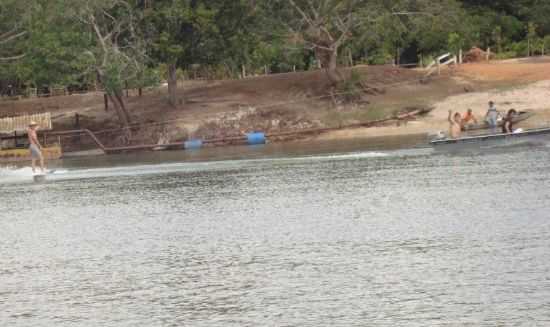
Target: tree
(455,43)
(545,44)
(532,37)
(238,39)
(12,29)
(536,11)
(117,53)
(54,49)
(181,31)
(324,26)
(171,24)
(497,38)
(202,32)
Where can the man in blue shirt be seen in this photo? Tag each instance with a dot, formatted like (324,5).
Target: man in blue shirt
(492,117)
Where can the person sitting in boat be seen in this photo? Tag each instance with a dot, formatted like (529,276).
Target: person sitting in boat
(492,117)
(468,120)
(455,127)
(508,122)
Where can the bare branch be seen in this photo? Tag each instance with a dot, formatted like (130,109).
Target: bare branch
(342,25)
(411,13)
(12,58)
(302,13)
(100,38)
(105,13)
(343,36)
(322,47)
(313,10)
(5,39)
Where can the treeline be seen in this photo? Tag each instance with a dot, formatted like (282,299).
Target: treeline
(116,44)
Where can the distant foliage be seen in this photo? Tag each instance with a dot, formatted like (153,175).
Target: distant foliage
(44,43)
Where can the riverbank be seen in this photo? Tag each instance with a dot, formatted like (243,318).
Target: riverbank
(303,101)
(532,97)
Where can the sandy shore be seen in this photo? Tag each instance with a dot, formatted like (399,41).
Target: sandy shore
(533,97)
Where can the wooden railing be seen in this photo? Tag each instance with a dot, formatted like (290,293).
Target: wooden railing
(21,123)
(441,61)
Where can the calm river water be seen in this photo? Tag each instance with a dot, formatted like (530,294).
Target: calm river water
(302,236)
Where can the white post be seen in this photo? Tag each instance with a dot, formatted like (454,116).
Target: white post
(460,56)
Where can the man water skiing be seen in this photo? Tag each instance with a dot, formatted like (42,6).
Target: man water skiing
(35,147)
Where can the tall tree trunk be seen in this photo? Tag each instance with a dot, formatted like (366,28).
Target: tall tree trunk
(123,119)
(332,70)
(329,62)
(172,84)
(106,101)
(122,104)
(116,100)
(397,56)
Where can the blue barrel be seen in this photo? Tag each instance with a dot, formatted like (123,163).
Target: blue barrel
(255,138)
(193,144)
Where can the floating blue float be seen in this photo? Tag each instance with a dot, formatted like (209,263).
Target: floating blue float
(193,144)
(255,138)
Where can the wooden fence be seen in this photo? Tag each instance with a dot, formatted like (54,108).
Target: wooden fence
(21,123)
(444,60)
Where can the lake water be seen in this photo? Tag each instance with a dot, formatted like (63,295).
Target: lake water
(296,236)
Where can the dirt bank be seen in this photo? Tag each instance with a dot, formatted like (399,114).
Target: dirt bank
(519,84)
(297,101)
(216,109)
(533,97)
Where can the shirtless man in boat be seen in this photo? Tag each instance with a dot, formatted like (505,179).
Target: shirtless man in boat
(455,127)
(508,122)
(35,147)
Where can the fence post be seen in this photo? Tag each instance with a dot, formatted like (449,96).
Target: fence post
(106,101)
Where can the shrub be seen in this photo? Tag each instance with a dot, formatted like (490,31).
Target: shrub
(350,89)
